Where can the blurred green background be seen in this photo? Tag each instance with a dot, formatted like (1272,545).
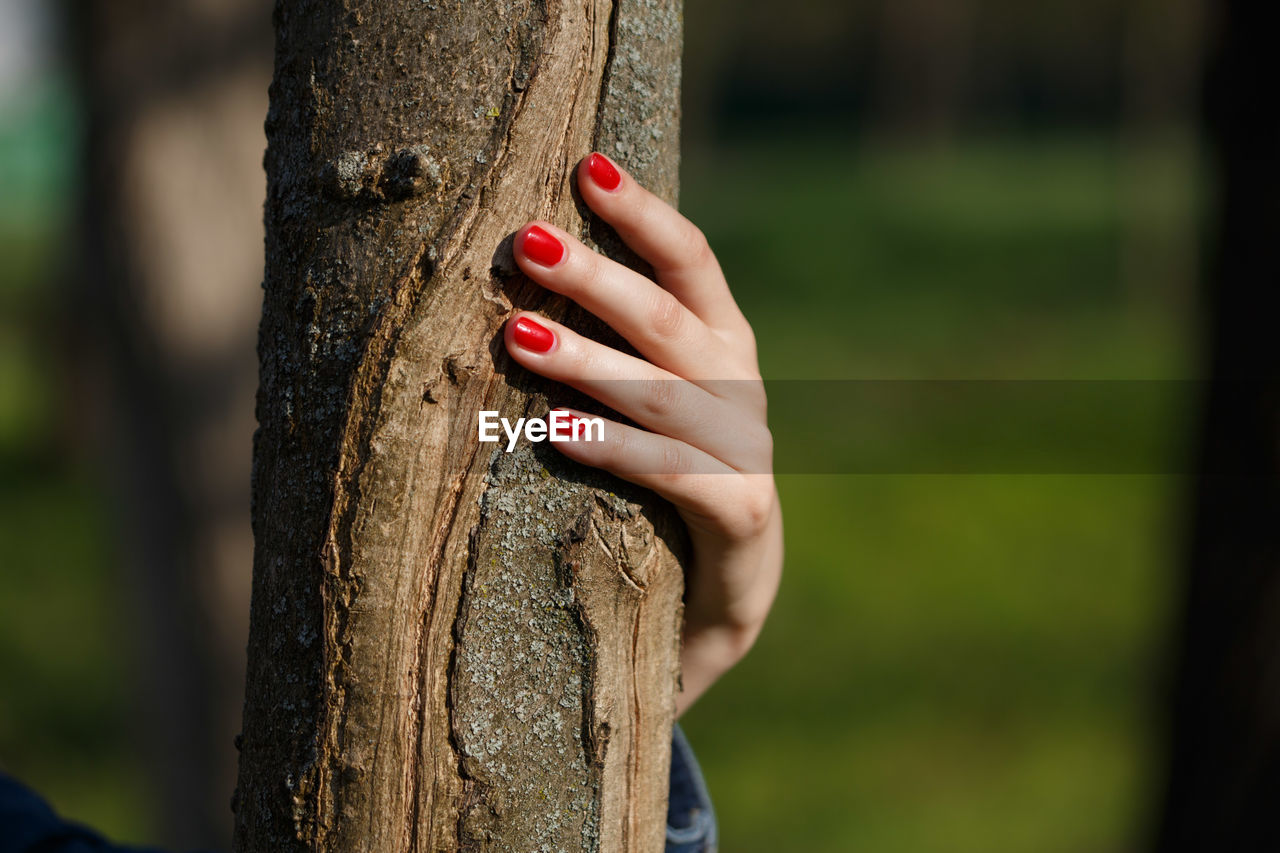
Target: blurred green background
(959,663)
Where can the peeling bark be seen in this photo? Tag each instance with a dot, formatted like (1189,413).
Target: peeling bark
(450,648)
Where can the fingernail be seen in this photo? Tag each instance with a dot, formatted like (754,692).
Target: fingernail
(565,422)
(542,247)
(577,426)
(602,172)
(533,336)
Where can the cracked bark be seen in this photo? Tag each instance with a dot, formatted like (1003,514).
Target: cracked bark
(451,648)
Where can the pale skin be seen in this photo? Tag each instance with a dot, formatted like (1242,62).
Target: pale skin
(703,445)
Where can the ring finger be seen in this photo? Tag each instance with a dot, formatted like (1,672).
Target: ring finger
(649,395)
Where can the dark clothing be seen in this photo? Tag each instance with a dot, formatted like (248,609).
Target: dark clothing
(691,821)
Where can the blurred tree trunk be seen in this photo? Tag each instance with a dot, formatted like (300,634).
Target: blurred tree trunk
(1224,771)
(451,647)
(167,302)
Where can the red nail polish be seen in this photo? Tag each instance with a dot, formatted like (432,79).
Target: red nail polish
(556,426)
(542,247)
(533,336)
(602,172)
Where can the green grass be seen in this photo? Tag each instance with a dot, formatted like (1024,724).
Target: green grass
(968,662)
(64,715)
(995,260)
(64,677)
(954,663)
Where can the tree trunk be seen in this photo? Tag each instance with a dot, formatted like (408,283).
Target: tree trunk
(167,294)
(1224,744)
(451,647)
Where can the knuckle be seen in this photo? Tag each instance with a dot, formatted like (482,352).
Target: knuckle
(692,250)
(642,212)
(754,509)
(660,398)
(698,247)
(574,358)
(674,462)
(666,317)
(610,451)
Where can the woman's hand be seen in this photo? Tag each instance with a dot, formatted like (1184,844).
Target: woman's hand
(697,392)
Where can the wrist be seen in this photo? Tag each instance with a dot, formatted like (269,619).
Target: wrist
(720,647)
(705,656)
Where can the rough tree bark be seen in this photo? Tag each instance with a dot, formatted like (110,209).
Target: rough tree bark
(451,648)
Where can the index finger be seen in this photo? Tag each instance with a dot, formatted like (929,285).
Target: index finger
(677,249)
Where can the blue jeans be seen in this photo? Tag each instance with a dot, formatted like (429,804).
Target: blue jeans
(691,820)
(28,824)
